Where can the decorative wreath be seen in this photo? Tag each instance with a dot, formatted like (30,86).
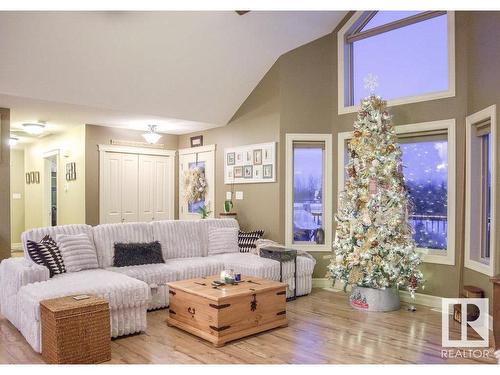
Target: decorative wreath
(195,185)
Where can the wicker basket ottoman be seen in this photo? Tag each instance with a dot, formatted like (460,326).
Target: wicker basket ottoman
(75,331)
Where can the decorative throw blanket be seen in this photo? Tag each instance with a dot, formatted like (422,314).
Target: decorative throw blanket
(259,244)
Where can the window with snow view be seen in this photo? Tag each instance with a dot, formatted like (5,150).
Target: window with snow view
(308,210)
(426,176)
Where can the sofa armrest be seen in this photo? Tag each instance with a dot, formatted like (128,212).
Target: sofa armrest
(17,272)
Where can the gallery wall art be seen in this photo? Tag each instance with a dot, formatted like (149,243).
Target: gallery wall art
(250,164)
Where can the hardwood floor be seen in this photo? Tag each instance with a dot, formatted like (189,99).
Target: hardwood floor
(322,329)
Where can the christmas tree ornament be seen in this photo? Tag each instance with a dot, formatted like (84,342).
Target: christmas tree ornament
(374,251)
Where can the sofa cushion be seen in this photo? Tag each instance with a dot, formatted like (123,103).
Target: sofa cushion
(179,238)
(189,268)
(151,274)
(222,240)
(106,235)
(119,290)
(38,233)
(206,224)
(247,240)
(135,254)
(78,252)
(46,253)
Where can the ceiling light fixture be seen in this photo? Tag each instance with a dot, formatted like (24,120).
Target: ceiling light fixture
(13,141)
(151,136)
(33,128)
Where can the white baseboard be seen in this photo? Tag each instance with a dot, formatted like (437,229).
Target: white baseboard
(16,246)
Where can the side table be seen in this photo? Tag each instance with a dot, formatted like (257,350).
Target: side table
(75,330)
(282,255)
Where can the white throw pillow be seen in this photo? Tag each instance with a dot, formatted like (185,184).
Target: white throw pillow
(77,251)
(222,240)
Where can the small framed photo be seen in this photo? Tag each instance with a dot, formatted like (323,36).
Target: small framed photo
(239,157)
(247,171)
(267,171)
(257,172)
(238,172)
(37,177)
(196,141)
(28,179)
(257,157)
(32,177)
(230,173)
(267,154)
(248,157)
(230,158)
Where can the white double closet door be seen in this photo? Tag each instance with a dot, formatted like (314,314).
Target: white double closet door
(136,187)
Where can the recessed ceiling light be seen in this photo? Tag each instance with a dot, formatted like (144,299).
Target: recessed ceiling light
(13,141)
(151,136)
(33,128)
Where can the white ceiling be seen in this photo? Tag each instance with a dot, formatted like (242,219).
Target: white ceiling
(186,71)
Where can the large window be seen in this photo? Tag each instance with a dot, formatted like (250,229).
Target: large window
(308,209)
(426,177)
(428,153)
(308,182)
(414,48)
(480,191)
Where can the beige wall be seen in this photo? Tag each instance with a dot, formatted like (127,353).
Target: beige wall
(483,59)
(17,183)
(4,183)
(256,121)
(96,135)
(70,194)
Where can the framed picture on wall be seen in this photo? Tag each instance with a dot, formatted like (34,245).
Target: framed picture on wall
(32,177)
(257,171)
(245,164)
(267,155)
(238,172)
(37,177)
(267,171)
(196,141)
(257,157)
(248,171)
(28,179)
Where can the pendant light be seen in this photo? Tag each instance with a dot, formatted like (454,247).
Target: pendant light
(151,136)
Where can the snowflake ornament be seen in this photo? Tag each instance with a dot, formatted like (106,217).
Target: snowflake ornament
(371,82)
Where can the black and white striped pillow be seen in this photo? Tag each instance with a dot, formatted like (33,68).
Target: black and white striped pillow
(246,240)
(46,253)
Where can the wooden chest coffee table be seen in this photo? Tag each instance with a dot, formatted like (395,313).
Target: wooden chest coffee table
(228,312)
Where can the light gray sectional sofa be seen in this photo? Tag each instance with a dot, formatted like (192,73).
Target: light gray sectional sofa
(132,290)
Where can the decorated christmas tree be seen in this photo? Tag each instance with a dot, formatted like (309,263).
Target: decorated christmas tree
(373,244)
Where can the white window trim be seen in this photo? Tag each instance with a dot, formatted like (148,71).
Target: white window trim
(342,108)
(327,194)
(430,256)
(487,269)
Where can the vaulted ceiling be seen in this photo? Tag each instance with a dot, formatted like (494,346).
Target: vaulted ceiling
(189,68)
